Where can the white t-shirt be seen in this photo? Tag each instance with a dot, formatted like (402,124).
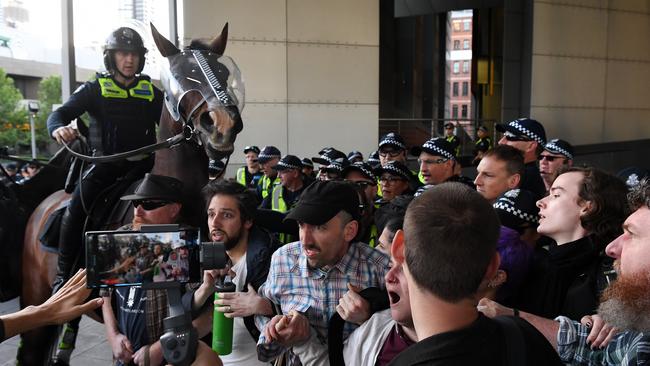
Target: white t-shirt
(244,349)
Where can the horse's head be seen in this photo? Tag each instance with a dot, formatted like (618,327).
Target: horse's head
(204,90)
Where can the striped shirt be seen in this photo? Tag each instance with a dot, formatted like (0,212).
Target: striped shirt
(315,292)
(626,348)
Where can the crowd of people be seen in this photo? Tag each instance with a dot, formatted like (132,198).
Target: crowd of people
(336,259)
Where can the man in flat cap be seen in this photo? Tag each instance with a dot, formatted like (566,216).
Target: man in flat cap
(312,279)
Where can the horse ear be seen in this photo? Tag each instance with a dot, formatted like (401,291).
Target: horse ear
(165,47)
(218,45)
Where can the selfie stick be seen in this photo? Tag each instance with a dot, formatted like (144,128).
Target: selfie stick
(180,340)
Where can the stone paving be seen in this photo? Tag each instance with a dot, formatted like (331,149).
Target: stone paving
(92,349)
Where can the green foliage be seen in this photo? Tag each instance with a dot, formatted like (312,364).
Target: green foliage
(13,119)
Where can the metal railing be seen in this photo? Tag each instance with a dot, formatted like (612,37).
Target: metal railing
(416,131)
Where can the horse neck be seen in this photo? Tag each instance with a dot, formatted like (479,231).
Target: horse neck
(186,162)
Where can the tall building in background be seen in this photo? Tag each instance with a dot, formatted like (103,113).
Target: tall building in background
(459,65)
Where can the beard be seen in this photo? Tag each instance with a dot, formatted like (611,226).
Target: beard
(625,304)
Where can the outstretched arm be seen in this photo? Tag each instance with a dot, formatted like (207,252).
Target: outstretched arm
(61,307)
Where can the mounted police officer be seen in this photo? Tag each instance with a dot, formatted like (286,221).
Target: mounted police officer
(124,108)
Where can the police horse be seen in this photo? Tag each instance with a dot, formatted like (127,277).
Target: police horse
(203,98)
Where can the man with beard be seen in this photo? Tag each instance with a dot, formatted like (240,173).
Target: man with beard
(134,328)
(230,209)
(625,304)
(312,279)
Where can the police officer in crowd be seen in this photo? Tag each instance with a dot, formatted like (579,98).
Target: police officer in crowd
(250,174)
(482,144)
(451,137)
(528,136)
(557,154)
(268,157)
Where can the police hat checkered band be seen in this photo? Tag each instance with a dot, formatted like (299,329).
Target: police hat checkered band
(554,148)
(307,163)
(336,166)
(508,207)
(391,141)
(267,156)
(436,150)
(285,165)
(362,167)
(391,168)
(516,125)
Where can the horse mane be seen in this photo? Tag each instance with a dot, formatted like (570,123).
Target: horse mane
(198,44)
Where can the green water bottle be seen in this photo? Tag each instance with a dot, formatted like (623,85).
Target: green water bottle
(222,326)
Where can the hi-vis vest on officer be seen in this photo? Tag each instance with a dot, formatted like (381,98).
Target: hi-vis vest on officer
(121,118)
(266,186)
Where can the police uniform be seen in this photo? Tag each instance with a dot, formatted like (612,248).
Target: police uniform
(482,145)
(248,179)
(121,119)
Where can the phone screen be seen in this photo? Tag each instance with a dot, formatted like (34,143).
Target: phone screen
(128,258)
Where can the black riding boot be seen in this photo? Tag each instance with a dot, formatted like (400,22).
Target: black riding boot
(69,246)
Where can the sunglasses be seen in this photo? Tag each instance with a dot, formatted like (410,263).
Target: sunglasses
(391,153)
(517,138)
(429,162)
(149,205)
(549,157)
(362,183)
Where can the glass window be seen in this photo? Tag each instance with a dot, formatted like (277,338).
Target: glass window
(463,112)
(465,66)
(455,90)
(456,67)
(467,25)
(466,44)
(465,88)
(456,44)
(457,26)
(454,111)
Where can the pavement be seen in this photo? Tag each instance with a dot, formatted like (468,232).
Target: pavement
(92,348)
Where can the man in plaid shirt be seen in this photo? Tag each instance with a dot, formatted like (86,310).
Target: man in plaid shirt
(319,275)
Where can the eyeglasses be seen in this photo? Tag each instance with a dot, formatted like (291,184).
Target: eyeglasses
(149,205)
(517,138)
(549,157)
(429,162)
(391,179)
(391,153)
(363,184)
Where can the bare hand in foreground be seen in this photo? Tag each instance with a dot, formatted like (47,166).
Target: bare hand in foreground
(66,304)
(601,333)
(240,304)
(288,330)
(493,309)
(352,307)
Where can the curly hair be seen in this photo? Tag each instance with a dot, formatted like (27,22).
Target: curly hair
(609,207)
(640,195)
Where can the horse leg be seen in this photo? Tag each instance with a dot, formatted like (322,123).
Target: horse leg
(37,275)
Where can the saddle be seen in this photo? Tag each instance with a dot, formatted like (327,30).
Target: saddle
(107,212)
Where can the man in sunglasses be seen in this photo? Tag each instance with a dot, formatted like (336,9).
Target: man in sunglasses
(362,176)
(133,316)
(528,136)
(557,154)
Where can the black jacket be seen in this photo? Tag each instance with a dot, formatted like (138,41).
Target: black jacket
(567,280)
(118,121)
